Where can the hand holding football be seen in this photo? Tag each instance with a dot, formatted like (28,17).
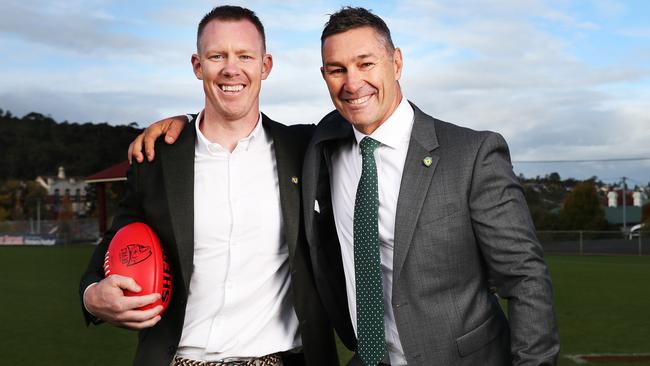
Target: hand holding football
(135,251)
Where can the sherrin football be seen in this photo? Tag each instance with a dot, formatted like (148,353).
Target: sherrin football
(135,252)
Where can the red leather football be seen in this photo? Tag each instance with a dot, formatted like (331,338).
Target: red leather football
(135,252)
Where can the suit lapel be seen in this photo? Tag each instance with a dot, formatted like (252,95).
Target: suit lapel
(331,129)
(288,159)
(416,179)
(178,172)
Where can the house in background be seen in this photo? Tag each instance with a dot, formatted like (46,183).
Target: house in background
(61,188)
(624,215)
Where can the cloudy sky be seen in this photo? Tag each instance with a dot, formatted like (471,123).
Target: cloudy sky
(561,80)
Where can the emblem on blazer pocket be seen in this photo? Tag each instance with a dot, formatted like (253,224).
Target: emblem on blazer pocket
(427,161)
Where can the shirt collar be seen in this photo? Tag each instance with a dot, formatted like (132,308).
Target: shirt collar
(203,145)
(395,129)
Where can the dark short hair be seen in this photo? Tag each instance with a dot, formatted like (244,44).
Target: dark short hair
(231,13)
(351,18)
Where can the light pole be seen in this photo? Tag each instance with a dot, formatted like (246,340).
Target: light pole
(624,205)
(38,216)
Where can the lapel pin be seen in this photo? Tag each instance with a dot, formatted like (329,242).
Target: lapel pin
(427,161)
(294,180)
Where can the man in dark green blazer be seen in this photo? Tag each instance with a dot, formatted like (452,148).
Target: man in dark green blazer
(225,202)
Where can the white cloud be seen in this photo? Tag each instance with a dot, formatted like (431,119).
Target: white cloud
(74,27)
(512,66)
(635,32)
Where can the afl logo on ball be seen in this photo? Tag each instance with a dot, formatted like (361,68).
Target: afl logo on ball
(134,254)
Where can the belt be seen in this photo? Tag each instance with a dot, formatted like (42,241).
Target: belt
(268,360)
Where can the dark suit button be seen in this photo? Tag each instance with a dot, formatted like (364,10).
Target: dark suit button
(171,350)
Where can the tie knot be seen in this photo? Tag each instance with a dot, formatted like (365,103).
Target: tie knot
(368,145)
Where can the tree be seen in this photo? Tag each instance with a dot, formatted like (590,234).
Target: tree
(554,177)
(581,209)
(18,199)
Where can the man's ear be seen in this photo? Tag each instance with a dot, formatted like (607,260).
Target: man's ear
(196,66)
(322,71)
(398,63)
(267,65)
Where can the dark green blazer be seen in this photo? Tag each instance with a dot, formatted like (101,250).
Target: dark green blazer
(161,194)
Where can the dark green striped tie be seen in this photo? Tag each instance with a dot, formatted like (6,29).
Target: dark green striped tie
(367,265)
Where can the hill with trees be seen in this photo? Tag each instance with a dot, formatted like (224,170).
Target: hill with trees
(37,145)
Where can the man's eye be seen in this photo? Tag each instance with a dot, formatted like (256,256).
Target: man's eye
(334,71)
(245,57)
(367,65)
(217,57)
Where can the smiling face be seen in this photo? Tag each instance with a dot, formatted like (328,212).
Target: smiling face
(232,63)
(362,77)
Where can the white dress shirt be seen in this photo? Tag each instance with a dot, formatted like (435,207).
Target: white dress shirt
(239,300)
(394,135)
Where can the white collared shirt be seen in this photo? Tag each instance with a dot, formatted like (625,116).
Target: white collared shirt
(390,156)
(239,301)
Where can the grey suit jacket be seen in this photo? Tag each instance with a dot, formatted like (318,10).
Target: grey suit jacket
(462,230)
(161,194)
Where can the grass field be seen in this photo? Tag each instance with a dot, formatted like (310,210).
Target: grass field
(602,303)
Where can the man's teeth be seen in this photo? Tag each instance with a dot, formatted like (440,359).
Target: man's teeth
(359,100)
(232,88)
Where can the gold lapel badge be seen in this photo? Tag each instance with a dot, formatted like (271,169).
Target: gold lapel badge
(294,180)
(427,161)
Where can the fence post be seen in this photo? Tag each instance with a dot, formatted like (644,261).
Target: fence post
(580,250)
(640,242)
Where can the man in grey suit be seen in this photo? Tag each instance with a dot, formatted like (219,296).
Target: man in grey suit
(452,219)
(451,223)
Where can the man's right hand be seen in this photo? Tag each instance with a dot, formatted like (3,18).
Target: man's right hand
(170,127)
(106,301)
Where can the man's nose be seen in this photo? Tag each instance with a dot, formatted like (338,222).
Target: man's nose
(353,81)
(231,67)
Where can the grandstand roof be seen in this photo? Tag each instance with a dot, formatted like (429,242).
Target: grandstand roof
(113,173)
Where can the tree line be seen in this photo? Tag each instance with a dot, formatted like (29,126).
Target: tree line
(36,144)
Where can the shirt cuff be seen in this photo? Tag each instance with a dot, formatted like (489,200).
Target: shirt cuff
(83,299)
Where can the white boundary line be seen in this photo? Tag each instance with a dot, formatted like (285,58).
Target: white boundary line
(580,360)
